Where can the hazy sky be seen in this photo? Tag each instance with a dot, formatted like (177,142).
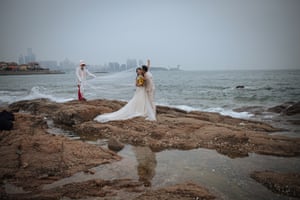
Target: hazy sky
(197,34)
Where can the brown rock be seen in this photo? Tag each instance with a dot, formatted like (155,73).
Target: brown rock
(31,157)
(115,145)
(288,108)
(185,191)
(280,108)
(173,129)
(294,109)
(282,183)
(82,190)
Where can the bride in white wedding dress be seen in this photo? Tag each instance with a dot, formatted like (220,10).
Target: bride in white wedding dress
(138,106)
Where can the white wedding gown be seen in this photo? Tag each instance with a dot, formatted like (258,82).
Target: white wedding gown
(138,106)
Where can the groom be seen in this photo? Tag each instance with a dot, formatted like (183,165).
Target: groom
(150,88)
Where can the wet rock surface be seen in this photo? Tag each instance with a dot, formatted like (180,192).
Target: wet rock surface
(174,129)
(115,145)
(293,109)
(117,189)
(31,157)
(288,108)
(282,183)
(183,191)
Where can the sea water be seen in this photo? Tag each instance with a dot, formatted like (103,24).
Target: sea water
(212,91)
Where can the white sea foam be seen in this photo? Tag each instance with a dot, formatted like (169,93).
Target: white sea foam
(222,111)
(40,92)
(185,108)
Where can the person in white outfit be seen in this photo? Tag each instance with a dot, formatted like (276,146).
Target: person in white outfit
(81,73)
(149,85)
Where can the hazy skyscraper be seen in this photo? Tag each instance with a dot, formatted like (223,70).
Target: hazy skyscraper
(21,59)
(131,63)
(30,57)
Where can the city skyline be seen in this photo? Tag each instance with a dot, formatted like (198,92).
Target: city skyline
(30,57)
(198,34)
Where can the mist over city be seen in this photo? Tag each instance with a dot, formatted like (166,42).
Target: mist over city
(195,35)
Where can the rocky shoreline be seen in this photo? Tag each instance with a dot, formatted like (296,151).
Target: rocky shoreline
(31,157)
(281,183)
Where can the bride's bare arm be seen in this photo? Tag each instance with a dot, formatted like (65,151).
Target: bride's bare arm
(148,63)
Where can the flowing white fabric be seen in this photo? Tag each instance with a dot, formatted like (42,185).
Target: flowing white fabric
(138,106)
(81,75)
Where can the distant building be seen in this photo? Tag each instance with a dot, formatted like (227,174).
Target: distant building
(30,57)
(21,60)
(48,64)
(131,63)
(34,66)
(66,64)
(114,66)
(12,66)
(23,67)
(123,67)
(3,66)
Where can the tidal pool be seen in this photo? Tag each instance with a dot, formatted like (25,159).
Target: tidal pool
(225,177)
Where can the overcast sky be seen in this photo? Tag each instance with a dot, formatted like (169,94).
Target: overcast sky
(197,34)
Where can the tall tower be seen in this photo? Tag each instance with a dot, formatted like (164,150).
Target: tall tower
(21,59)
(30,57)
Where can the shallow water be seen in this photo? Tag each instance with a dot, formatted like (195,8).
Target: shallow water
(225,177)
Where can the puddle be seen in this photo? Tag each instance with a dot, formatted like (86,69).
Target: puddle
(126,168)
(229,178)
(52,129)
(13,189)
(225,177)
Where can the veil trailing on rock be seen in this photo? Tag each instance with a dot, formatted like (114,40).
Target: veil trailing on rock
(138,106)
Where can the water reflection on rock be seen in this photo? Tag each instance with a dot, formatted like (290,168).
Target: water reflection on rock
(218,173)
(146,164)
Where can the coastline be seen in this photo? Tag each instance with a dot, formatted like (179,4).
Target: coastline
(39,72)
(44,158)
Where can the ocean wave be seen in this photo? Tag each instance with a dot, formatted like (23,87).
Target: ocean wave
(12,93)
(207,87)
(8,97)
(231,113)
(253,98)
(222,111)
(41,92)
(252,88)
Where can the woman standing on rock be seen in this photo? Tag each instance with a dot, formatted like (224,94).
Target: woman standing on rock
(138,106)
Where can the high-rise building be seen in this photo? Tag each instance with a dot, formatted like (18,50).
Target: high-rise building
(131,63)
(30,57)
(114,66)
(21,60)
(66,63)
(48,64)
